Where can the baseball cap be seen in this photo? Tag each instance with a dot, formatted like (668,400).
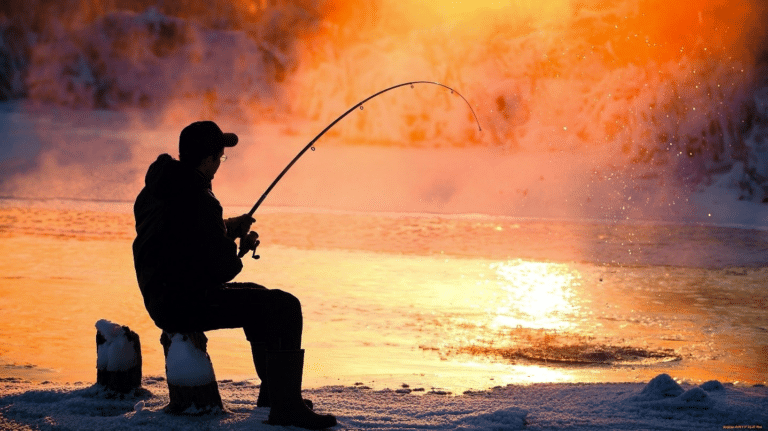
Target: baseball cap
(203,138)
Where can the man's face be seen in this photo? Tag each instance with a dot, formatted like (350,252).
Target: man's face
(209,165)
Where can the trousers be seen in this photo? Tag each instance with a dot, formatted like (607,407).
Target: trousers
(269,316)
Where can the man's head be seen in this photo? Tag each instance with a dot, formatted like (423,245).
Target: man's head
(201,145)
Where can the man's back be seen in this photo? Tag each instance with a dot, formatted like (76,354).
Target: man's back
(181,246)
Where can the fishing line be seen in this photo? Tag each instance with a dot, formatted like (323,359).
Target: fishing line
(311,143)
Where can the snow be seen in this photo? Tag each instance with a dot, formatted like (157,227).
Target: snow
(625,406)
(117,353)
(187,365)
(660,387)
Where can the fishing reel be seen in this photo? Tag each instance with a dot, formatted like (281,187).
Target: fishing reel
(243,250)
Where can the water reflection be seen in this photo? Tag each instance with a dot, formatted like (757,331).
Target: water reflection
(536,295)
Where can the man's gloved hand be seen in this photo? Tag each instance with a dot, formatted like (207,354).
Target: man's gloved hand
(248,243)
(238,227)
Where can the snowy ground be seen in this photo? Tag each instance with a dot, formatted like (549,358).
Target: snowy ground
(660,404)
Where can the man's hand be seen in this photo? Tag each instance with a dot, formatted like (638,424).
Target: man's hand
(238,227)
(248,243)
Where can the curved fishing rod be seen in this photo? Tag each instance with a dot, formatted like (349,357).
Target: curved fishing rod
(359,104)
(312,142)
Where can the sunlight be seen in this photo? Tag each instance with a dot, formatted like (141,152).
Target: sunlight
(453,10)
(539,295)
(473,14)
(461,10)
(530,374)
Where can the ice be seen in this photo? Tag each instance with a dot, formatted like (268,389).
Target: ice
(186,365)
(117,353)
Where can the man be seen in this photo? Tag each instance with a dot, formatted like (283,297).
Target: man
(185,257)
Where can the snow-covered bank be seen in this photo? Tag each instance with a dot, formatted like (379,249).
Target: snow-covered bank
(660,404)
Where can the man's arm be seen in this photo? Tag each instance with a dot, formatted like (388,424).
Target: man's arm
(238,227)
(218,250)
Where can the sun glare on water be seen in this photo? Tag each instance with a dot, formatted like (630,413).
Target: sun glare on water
(538,295)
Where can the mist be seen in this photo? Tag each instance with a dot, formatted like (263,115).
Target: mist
(607,109)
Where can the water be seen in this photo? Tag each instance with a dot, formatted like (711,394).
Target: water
(430,301)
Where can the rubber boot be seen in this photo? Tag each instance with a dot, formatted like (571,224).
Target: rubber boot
(284,373)
(259,351)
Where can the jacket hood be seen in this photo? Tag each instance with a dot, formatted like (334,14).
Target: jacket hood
(168,177)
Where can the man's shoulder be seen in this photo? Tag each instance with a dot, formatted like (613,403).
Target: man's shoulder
(170,179)
(210,202)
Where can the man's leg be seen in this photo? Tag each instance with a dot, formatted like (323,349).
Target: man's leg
(268,316)
(271,319)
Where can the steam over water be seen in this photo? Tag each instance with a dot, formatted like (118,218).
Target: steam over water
(596,101)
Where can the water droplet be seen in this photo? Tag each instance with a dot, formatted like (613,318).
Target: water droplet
(451,91)
(411,85)
(361,107)
(313,148)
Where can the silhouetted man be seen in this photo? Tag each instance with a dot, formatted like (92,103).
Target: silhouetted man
(185,256)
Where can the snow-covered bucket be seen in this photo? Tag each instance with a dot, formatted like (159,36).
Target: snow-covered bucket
(192,384)
(118,357)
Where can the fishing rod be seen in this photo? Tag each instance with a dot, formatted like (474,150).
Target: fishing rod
(311,143)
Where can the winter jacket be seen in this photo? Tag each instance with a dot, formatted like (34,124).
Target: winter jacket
(181,247)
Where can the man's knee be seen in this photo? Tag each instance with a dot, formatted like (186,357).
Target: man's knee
(281,324)
(287,302)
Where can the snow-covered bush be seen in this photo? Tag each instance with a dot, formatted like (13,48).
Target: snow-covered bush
(14,56)
(753,166)
(220,58)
